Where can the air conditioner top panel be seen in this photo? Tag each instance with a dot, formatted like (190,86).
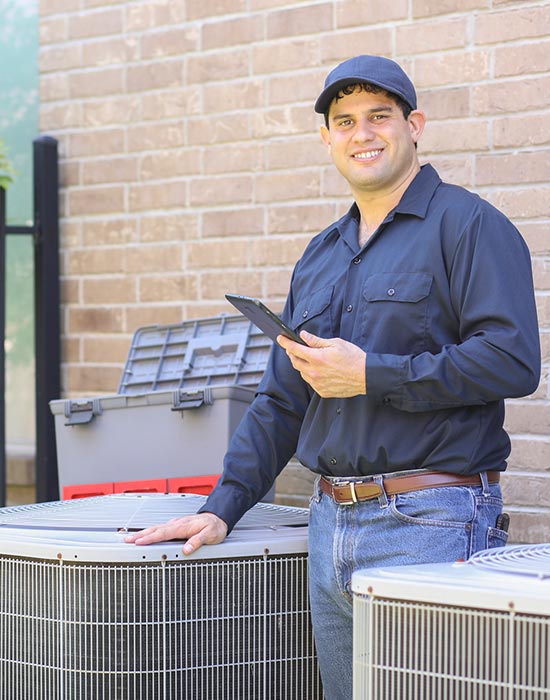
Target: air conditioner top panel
(93,529)
(464,584)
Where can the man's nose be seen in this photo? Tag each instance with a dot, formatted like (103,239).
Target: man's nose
(364,130)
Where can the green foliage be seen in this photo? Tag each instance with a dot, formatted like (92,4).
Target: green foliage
(6,169)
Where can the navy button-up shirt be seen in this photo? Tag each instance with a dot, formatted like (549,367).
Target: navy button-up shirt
(441,299)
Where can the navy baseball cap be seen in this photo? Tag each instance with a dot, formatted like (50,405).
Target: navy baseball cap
(376,70)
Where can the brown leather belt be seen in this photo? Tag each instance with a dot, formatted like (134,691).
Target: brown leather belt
(347,493)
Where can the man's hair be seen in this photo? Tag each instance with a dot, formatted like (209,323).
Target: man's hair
(405,108)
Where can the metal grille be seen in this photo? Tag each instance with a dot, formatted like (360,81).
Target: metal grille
(416,651)
(233,629)
(84,616)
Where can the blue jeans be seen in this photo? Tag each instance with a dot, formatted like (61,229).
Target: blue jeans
(432,525)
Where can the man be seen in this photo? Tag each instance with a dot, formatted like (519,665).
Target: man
(417,308)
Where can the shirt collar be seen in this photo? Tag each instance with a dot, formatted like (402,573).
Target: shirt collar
(415,202)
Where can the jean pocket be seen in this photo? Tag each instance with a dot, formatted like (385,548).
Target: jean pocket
(496,537)
(444,506)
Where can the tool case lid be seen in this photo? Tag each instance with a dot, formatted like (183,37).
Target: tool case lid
(217,351)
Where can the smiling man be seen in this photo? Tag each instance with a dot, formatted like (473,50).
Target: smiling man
(417,308)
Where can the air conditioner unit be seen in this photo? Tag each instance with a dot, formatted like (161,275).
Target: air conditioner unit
(476,630)
(84,615)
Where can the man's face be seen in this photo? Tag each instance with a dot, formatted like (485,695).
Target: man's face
(371,142)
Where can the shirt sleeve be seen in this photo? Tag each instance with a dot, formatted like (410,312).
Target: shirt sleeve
(264,441)
(497,355)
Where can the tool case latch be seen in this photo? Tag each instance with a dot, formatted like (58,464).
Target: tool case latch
(184,400)
(80,412)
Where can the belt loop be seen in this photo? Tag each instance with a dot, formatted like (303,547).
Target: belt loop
(383,497)
(485,484)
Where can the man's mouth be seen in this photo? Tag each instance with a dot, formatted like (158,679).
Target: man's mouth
(367,155)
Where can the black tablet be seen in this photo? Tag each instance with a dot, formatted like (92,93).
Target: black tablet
(261,316)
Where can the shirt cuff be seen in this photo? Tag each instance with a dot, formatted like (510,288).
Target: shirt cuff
(385,377)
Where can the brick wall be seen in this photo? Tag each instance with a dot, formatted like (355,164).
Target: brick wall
(191,162)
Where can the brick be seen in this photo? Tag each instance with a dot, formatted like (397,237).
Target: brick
(93,380)
(244,281)
(524,417)
(243,222)
(109,290)
(167,288)
(545,346)
(283,186)
(240,31)
(70,234)
(158,195)
(423,8)
(523,203)
(445,103)
(296,152)
(96,261)
(300,218)
(95,319)
(293,88)
(454,169)
(543,310)
(154,258)
(529,527)
(537,236)
(106,349)
(290,55)
(509,24)
(110,111)
(233,158)
(60,116)
(221,190)
(511,96)
(170,227)
(70,291)
(351,13)
(297,21)
(110,51)
(529,453)
(146,137)
(213,129)
(54,7)
(541,273)
(455,135)
(275,251)
(99,200)
(512,168)
(108,81)
(60,58)
(511,59)
(122,169)
(334,185)
(218,254)
(524,490)
(279,122)
(170,42)
(452,69)
(172,103)
(525,130)
(199,9)
(171,163)
(420,37)
(154,76)
(218,66)
(52,30)
(99,23)
(338,46)
(163,314)
(235,95)
(53,87)
(109,231)
(277,283)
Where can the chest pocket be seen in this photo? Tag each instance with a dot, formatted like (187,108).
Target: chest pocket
(396,312)
(313,313)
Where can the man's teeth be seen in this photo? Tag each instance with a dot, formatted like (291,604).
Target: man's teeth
(368,154)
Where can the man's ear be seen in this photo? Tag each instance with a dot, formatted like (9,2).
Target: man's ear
(325,136)
(417,122)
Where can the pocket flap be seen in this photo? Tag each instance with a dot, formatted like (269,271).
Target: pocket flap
(314,305)
(398,286)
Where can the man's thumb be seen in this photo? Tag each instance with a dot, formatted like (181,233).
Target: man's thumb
(313,340)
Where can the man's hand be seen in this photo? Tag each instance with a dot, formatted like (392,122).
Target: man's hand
(198,529)
(333,367)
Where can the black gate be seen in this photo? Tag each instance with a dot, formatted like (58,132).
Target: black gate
(45,233)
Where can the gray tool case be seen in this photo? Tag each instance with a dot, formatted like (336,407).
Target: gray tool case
(184,390)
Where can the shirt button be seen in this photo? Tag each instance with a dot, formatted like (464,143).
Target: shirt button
(338,410)
(386,400)
(356,261)
(304,315)
(391,292)
(349,308)
(333,460)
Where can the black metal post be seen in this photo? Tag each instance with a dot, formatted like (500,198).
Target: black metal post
(3,474)
(47,310)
